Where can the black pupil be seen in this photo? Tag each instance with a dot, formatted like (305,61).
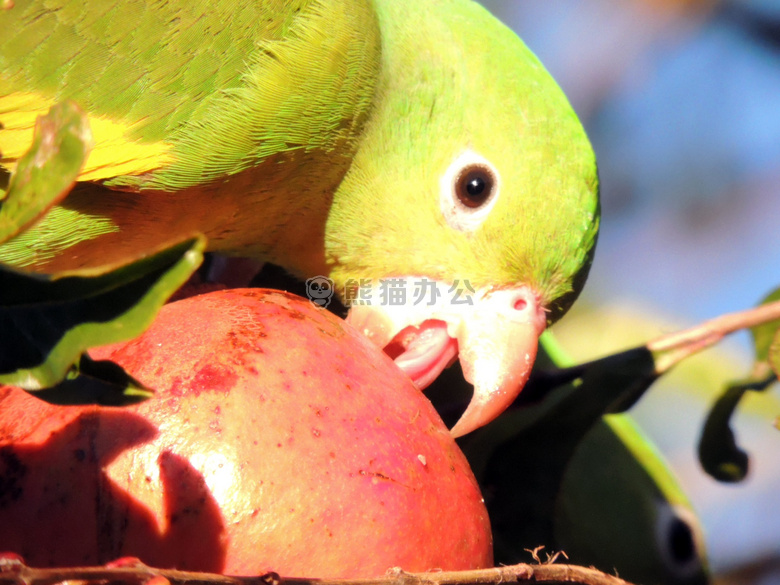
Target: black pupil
(474,187)
(681,541)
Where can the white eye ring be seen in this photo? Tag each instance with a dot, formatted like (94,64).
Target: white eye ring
(679,539)
(468,191)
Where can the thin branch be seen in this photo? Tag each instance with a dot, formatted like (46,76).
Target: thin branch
(675,347)
(668,350)
(16,573)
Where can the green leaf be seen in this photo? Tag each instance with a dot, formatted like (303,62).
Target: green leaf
(48,170)
(773,355)
(49,321)
(765,334)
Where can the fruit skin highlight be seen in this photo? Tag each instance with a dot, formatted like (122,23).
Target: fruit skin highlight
(279,439)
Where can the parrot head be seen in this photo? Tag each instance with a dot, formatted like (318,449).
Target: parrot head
(467,221)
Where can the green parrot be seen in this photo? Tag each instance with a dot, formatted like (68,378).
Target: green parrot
(391,146)
(621,508)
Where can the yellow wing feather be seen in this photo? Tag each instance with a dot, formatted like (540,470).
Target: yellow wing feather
(114,153)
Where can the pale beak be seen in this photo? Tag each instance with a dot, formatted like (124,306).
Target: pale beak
(495,336)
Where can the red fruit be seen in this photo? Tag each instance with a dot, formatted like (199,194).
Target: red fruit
(279,439)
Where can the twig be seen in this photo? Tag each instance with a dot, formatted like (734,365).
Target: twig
(675,347)
(17,573)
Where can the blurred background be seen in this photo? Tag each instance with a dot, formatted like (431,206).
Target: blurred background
(681,100)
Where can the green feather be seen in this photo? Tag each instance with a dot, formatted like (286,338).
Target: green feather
(263,111)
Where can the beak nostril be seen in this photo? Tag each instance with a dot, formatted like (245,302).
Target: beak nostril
(520,305)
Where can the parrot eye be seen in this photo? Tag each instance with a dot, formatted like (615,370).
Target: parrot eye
(679,539)
(469,189)
(474,186)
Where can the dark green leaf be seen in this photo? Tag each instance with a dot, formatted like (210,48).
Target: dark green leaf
(48,321)
(719,454)
(48,170)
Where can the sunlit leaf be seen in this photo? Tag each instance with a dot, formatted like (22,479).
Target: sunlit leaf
(773,355)
(765,334)
(48,170)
